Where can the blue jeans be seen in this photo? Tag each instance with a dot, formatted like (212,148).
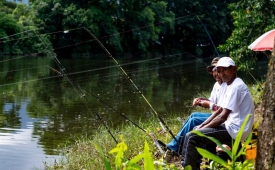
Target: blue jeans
(193,120)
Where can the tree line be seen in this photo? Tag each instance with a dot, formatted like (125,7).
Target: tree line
(135,27)
(123,26)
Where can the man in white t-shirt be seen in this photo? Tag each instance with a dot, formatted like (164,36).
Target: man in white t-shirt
(235,104)
(197,118)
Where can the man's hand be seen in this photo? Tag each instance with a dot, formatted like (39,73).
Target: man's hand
(198,127)
(196,102)
(201,102)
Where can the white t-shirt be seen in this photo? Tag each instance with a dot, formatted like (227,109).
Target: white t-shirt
(214,96)
(237,98)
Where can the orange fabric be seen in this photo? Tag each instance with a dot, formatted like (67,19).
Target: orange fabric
(251,152)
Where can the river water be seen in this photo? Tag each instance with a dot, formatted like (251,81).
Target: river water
(43,111)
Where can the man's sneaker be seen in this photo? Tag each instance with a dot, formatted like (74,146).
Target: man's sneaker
(170,156)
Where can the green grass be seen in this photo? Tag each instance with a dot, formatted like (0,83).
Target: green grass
(83,154)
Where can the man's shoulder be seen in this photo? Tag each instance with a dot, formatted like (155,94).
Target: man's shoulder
(238,83)
(240,87)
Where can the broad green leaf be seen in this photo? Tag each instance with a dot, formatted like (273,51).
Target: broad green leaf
(137,158)
(213,157)
(148,161)
(107,164)
(238,138)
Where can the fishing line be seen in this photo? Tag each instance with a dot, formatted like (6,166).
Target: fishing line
(121,114)
(123,32)
(28,55)
(2,85)
(1,61)
(11,59)
(208,36)
(90,70)
(100,37)
(218,53)
(108,77)
(96,69)
(180,74)
(157,142)
(23,69)
(92,40)
(77,89)
(133,84)
(131,30)
(16,34)
(36,35)
(252,76)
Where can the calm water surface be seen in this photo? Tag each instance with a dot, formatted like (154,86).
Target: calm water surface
(41,111)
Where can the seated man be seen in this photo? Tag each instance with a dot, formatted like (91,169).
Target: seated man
(197,118)
(235,104)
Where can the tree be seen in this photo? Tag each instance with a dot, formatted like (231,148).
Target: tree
(8,30)
(251,19)
(190,35)
(17,30)
(266,143)
(126,26)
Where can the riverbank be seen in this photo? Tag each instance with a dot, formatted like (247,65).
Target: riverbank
(84,155)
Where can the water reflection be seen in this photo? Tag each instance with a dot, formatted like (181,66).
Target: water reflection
(19,147)
(42,112)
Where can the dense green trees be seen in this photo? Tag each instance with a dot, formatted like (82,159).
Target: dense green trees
(8,27)
(126,26)
(134,27)
(189,32)
(18,33)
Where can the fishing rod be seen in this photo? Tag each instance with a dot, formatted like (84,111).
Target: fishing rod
(157,142)
(77,89)
(162,123)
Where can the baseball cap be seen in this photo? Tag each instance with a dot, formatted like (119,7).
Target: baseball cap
(213,64)
(225,62)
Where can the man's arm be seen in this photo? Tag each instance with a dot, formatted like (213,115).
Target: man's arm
(197,101)
(220,116)
(209,119)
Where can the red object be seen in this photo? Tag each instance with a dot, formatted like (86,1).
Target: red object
(264,42)
(215,107)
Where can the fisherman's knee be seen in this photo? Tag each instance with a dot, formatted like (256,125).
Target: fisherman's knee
(195,114)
